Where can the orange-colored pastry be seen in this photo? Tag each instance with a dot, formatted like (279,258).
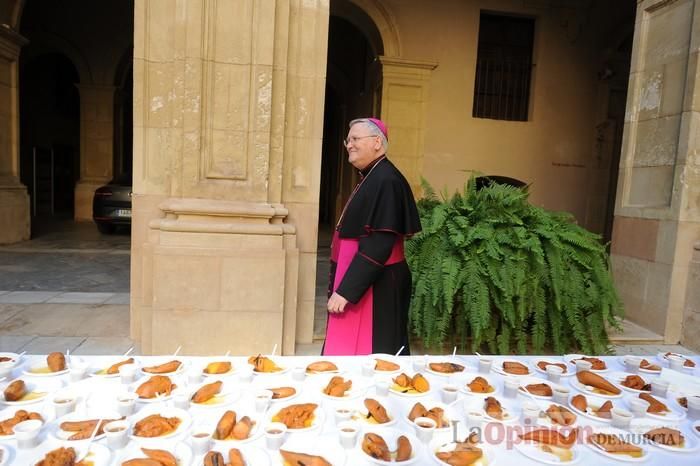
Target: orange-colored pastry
(163,457)
(235,457)
(207,392)
(594,380)
(263,364)
(460,457)
(543,365)
(635,382)
(561,415)
(114,368)
(337,386)
(8,425)
(59,457)
(480,385)
(417,411)
(666,436)
(157,385)
(15,391)
(219,367)
(446,367)
(551,437)
(321,366)
(403,380)
(420,383)
(604,410)
(375,446)
(403,449)
(539,389)
(156,425)
(225,425)
(296,416)
(241,430)
(141,462)
(376,411)
(649,366)
(83,429)
(493,408)
(596,364)
(302,459)
(614,444)
(437,415)
(515,368)
(56,361)
(655,406)
(282,392)
(385,366)
(214,458)
(166,368)
(580,403)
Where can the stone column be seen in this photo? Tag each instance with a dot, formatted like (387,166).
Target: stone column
(657,215)
(96,144)
(14,199)
(405,95)
(215,245)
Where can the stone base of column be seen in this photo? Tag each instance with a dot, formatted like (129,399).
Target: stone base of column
(84,192)
(14,213)
(218,276)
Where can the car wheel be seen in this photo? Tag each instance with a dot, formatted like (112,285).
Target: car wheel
(106,228)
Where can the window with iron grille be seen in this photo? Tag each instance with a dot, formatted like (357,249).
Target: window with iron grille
(503,67)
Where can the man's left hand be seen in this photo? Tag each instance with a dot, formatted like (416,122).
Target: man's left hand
(336,303)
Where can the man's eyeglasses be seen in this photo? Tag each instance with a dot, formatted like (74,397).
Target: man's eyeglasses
(354,139)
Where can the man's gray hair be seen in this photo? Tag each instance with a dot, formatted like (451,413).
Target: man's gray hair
(373,130)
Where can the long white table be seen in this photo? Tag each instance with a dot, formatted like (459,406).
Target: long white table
(98,394)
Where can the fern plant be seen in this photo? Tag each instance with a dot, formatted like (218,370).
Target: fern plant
(493,269)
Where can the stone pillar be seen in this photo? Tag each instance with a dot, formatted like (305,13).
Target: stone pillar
(96,144)
(14,199)
(226,163)
(405,95)
(657,214)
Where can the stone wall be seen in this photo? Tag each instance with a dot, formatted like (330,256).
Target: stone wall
(691,317)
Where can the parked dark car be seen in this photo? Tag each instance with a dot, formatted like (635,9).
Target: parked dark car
(111,205)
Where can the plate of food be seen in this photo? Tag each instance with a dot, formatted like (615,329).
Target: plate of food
(179,454)
(662,408)
(647,365)
(341,387)
(682,400)
(589,382)
(446,366)
(53,365)
(614,443)
(153,389)
(666,436)
(219,367)
(373,412)
(163,366)
(592,407)
(322,367)
(263,365)
(282,388)
(410,386)
(298,450)
(235,426)
(54,452)
(513,367)
(556,415)
(494,409)
(468,452)
(438,412)
(538,388)
(385,364)
(387,446)
(479,385)
(214,394)
(11,416)
(159,423)
(597,364)
(688,363)
(298,417)
(5,455)
(244,454)
(541,364)
(21,392)
(631,382)
(110,368)
(75,427)
(549,446)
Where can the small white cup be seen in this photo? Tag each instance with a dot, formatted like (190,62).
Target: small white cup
(116,434)
(638,407)
(127,373)
(64,403)
(694,407)
(299,374)
(632,364)
(510,387)
(263,398)
(182,399)
(27,433)
(582,365)
(348,432)
(6,368)
(126,403)
(382,387)
(485,364)
(449,393)
(425,428)
(531,412)
(621,418)
(675,362)
(245,374)
(368,366)
(475,419)
(554,373)
(419,363)
(274,435)
(201,441)
(659,387)
(560,395)
(342,414)
(194,376)
(77,369)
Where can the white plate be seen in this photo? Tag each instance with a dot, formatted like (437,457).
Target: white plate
(624,435)
(325,446)
(228,394)
(441,445)
(676,414)
(618,377)
(316,423)
(497,367)
(593,404)
(99,455)
(395,389)
(391,437)
(233,370)
(10,411)
(622,360)
(251,455)
(134,386)
(337,371)
(449,414)
(358,388)
(39,369)
(389,358)
(64,436)
(642,426)
(360,412)
(510,408)
(533,450)
(569,358)
(466,379)
(276,360)
(588,390)
(448,359)
(42,386)
(184,416)
(159,362)
(258,420)
(662,357)
(524,381)
(16,358)
(5,455)
(97,371)
(181,451)
(569,371)
(269,382)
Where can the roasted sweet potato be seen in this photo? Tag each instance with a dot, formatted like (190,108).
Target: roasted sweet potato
(207,392)
(220,367)
(15,391)
(403,449)
(56,361)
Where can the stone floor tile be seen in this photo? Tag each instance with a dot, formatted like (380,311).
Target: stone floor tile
(106,345)
(46,345)
(14,343)
(308,349)
(27,297)
(3,292)
(81,298)
(64,320)
(119,298)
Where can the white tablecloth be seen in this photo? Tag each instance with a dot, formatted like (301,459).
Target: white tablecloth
(98,395)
